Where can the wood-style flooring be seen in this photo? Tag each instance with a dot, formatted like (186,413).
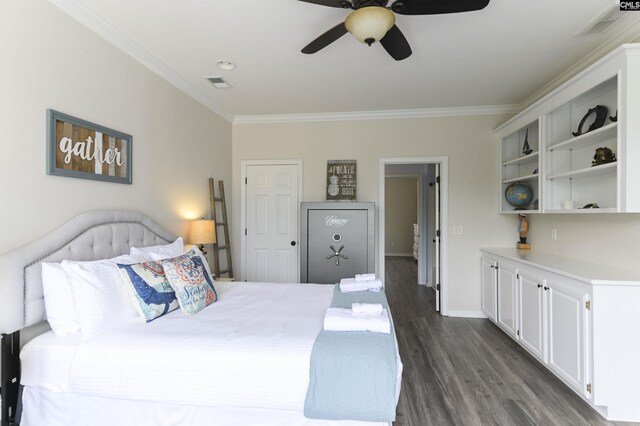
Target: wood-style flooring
(460,371)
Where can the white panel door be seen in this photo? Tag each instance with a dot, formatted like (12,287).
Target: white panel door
(489,282)
(507,299)
(532,321)
(271,223)
(566,333)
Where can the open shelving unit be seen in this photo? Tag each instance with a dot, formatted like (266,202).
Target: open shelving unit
(561,166)
(518,167)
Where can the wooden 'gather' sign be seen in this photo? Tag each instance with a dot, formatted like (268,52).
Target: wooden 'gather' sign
(80,149)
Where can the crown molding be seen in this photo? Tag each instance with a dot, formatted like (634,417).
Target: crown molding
(93,22)
(378,115)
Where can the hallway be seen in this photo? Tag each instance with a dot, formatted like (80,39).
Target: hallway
(460,371)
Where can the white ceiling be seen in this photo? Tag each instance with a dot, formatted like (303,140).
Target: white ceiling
(497,57)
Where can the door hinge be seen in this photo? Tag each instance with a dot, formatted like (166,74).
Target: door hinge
(245,231)
(517,276)
(438,233)
(438,287)
(438,179)
(517,332)
(587,305)
(245,181)
(589,387)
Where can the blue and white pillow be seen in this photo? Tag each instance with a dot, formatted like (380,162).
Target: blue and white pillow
(148,288)
(191,279)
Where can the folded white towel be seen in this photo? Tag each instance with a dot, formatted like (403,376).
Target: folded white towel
(365,277)
(348,285)
(367,308)
(338,319)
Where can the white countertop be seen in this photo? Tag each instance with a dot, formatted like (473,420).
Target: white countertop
(589,272)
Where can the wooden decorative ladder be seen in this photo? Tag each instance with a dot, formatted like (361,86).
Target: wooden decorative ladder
(226,244)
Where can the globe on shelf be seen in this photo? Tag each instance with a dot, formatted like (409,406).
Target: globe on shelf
(518,195)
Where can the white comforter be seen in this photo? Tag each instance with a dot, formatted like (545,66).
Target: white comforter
(249,349)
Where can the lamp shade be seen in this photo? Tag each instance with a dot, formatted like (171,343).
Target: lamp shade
(370,24)
(202,232)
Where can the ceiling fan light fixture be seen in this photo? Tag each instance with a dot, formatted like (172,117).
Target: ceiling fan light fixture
(369,24)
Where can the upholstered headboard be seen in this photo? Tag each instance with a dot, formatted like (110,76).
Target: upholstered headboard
(99,234)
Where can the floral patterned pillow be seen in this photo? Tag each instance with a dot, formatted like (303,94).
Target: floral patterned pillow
(148,289)
(190,278)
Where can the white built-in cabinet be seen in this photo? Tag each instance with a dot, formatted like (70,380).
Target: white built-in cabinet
(489,284)
(579,319)
(558,166)
(507,298)
(531,307)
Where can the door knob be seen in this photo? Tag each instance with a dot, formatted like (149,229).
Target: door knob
(293,243)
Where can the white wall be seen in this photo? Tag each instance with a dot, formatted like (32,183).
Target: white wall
(401,212)
(610,239)
(48,60)
(473,171)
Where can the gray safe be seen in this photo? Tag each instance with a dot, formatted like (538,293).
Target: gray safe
(337,241)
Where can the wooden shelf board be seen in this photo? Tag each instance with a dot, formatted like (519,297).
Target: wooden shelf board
(519,211)
(521,178)
(522,160)
(599,135)
(589,171)
(602,210)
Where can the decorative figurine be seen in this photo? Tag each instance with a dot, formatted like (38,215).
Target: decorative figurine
(591,206)
(601,116)
(526,149)
(523,229)
(603,155)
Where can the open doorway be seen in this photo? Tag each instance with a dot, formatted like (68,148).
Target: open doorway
(417,200)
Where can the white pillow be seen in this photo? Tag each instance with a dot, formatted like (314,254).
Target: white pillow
(100,298)
(163,251)
(58,300)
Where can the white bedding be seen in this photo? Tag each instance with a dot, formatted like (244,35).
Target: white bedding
(224,355)
(248,351)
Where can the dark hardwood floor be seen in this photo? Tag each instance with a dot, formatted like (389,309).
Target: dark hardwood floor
(460,371)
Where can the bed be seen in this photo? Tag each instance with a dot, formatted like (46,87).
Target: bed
(244,360)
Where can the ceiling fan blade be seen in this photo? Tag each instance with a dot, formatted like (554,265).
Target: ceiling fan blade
(325,39)
(395,43)
(330,3)
(434,7)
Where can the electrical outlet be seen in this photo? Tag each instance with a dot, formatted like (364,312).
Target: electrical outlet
(554,234)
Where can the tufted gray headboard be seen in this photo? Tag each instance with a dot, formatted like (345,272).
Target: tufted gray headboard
(93,235)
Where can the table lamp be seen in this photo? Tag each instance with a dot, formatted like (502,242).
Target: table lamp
(202,232)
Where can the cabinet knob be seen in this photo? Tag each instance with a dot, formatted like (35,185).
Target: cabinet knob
(539,285)
(546,288)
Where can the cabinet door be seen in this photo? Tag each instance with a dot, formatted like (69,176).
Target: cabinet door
(567,349)
(531,308)
(507,292)
(489,284)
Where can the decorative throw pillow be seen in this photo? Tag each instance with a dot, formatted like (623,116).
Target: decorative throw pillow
(191,279)
(148,289)
(163,251)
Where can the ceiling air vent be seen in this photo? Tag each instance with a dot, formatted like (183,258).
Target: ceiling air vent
(219,82)
(604,21)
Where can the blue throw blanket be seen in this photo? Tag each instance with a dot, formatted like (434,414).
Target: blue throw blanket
(353,374)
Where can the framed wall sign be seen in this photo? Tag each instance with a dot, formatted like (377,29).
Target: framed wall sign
(341,180)
(80,149)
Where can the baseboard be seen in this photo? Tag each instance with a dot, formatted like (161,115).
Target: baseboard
(467,314)
(399,254)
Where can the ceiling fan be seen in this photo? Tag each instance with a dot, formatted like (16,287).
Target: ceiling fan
(372,20)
